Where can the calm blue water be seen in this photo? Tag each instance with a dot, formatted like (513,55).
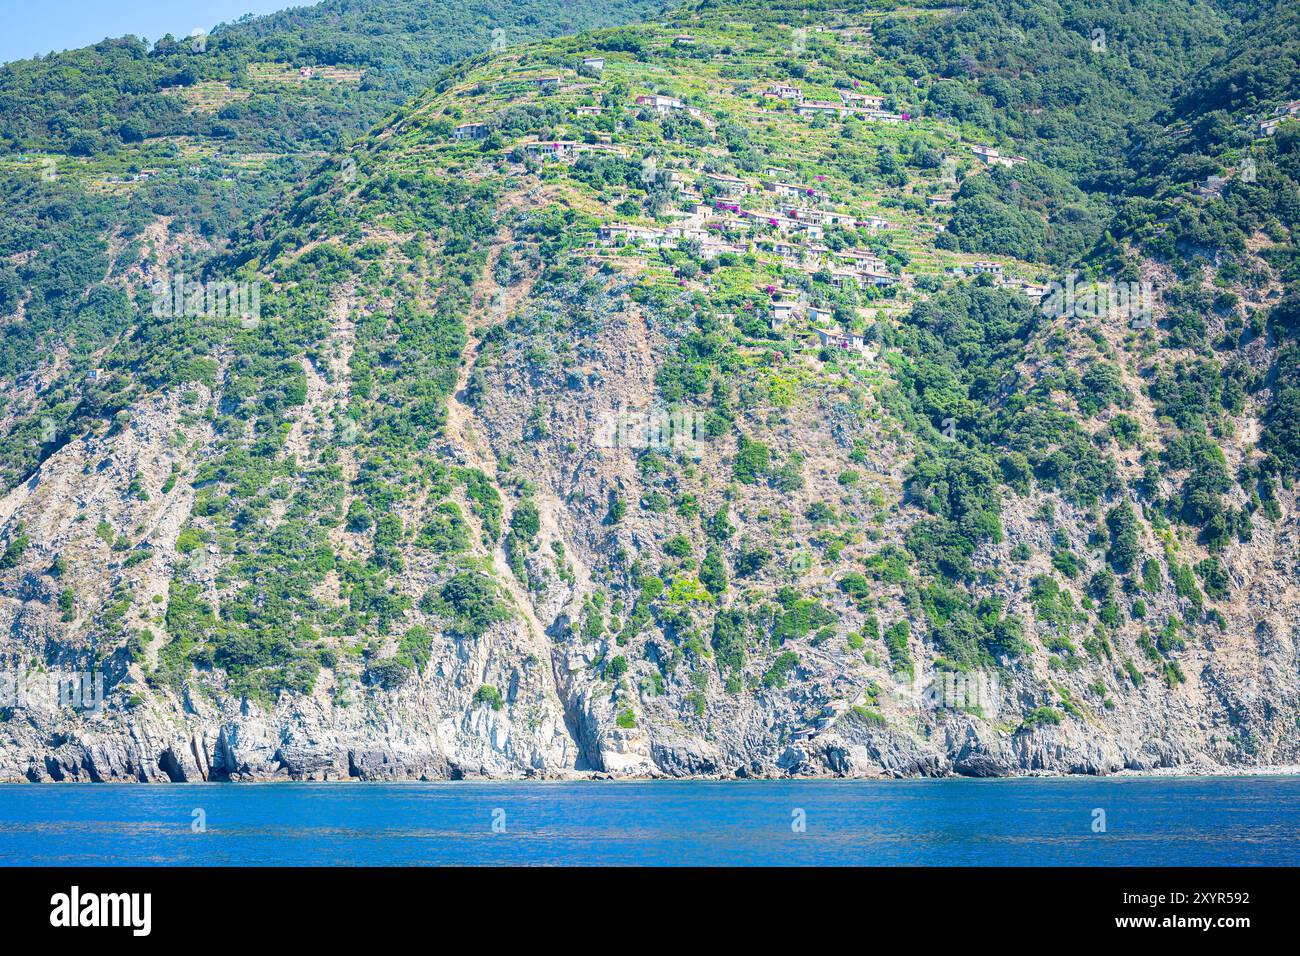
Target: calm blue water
(1189,821)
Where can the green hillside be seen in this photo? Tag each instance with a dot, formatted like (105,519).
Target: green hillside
(120,158)
(707,383)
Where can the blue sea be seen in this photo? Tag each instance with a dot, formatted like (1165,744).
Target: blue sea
(1036,822)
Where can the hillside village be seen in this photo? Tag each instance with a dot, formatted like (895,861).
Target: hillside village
(776,224)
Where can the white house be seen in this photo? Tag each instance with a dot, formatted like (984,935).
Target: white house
(864,259)
(785,92)
(881,116)
(873,223)
(731,185)
(660,104)
(712,248)
(823,108)
(990,156)
(792,189)
(873,277)
(851,98)
(846,341)
(831,218)
(568,149)
(1035,293)
(619,233)
(552,150)
(784,311)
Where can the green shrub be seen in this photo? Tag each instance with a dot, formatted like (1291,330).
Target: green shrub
(776,674)
(752,461)
(487,694)
(1214,577)
(896,638)
(1040,716)
(14,551)
(472,602)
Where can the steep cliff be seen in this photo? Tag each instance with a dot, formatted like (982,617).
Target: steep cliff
(675,400)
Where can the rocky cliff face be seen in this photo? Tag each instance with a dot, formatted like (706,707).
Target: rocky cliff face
(477,495)
(836,712)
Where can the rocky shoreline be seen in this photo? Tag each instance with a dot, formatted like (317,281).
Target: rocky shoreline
(302,745)
(583,776)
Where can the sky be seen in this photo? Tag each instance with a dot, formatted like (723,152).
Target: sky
(39,27)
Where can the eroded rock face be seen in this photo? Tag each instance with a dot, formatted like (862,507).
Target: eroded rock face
(559,713)
(609,658)
(678,757)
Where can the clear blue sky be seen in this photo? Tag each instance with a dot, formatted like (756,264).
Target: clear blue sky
(40,26)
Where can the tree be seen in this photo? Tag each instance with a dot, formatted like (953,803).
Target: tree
(713,572)
(1122,523)
(753,459)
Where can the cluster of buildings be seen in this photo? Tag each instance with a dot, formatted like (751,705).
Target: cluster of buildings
(851,103)
(844,341)
(1032,291)
(790,222)
(774,213)
(565,150)
(667,104)
(1285,112)
(786,311)
(716,234)
(667,237)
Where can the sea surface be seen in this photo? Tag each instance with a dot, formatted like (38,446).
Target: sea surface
(1148,821)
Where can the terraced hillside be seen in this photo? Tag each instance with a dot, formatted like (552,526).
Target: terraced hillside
(695,398)
(125,162)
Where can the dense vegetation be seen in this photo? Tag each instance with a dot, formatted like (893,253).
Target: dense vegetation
(97,142)
(968,481)
(59,103)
